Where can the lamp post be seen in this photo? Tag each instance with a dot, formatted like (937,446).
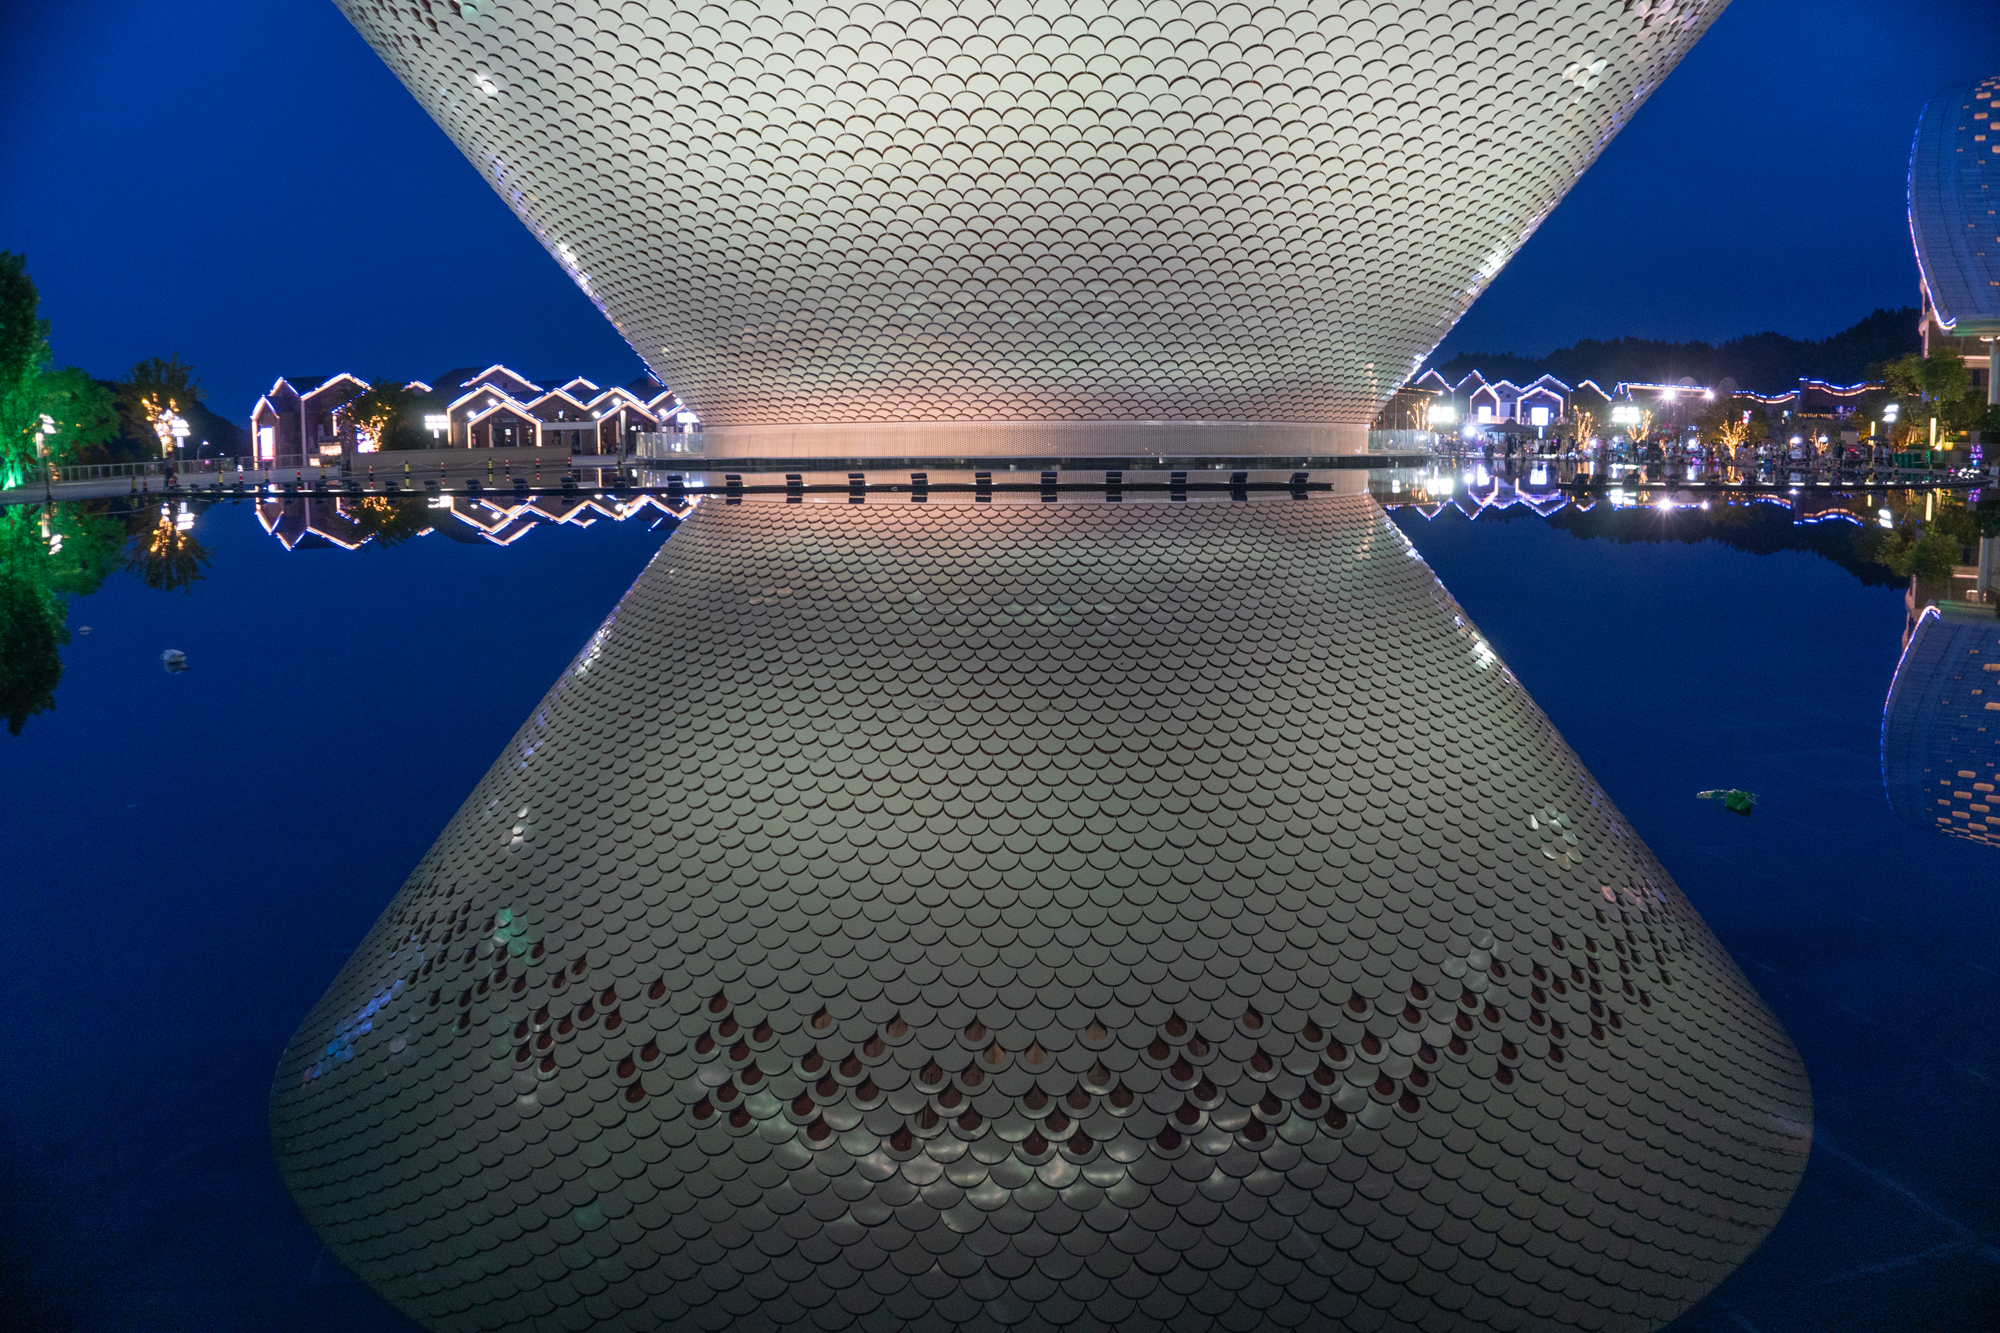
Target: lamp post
(1440,414)
(179,426)
(48,428)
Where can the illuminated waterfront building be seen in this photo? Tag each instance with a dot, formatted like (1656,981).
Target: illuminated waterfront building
(494,408)
(1037,908)
(295,416)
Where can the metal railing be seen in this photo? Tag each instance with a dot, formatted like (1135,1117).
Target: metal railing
(1402,441)
(159,467)
(660,445)
(670,445)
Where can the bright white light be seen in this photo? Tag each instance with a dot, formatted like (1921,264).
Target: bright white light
(1443,412)
(1883,517)
(437,423)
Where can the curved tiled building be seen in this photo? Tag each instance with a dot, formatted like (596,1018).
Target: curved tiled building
(1081,916)
(1954,167)
(1940,733)
(812,217)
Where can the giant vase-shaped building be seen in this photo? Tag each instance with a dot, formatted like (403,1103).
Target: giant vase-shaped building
(960,913)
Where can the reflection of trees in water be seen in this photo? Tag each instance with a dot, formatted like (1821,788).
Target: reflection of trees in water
(43,555)
(31,630)
(67,550)
(388,521)
(168,557)
(1760,529)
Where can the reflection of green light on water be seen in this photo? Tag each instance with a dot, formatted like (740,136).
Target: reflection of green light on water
(50,554)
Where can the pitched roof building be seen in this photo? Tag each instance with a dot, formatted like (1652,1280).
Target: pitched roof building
(493,408)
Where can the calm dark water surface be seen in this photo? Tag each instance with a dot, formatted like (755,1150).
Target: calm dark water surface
(190,858)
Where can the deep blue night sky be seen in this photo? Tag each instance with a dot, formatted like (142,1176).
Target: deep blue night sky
(246,184)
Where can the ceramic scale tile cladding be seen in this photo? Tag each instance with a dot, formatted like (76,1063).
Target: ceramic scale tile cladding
(1941,729)
(998,210)
(1117,916)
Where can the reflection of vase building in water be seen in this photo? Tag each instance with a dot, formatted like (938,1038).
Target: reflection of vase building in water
(1941,725)
(948,914)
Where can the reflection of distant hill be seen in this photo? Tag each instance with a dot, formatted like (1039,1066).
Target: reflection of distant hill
(1765,362)
(1761,529)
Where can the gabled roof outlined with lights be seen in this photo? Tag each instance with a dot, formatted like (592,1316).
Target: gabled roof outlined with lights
(485,379)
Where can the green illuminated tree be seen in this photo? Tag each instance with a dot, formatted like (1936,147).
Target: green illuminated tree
(54,412)
(24,355)
(82,413)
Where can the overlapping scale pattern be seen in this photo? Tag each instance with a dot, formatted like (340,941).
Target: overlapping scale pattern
(965,210)
(1940,749)
(1122,916)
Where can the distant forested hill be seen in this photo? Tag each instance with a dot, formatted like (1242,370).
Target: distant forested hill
(210,435)
(1765,362)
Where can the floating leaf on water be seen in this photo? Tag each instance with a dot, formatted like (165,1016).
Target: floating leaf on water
(1735,800)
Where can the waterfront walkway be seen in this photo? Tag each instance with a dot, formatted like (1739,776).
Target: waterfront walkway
(409,469)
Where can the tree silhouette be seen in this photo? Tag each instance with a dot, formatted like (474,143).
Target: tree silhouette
(155,391)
